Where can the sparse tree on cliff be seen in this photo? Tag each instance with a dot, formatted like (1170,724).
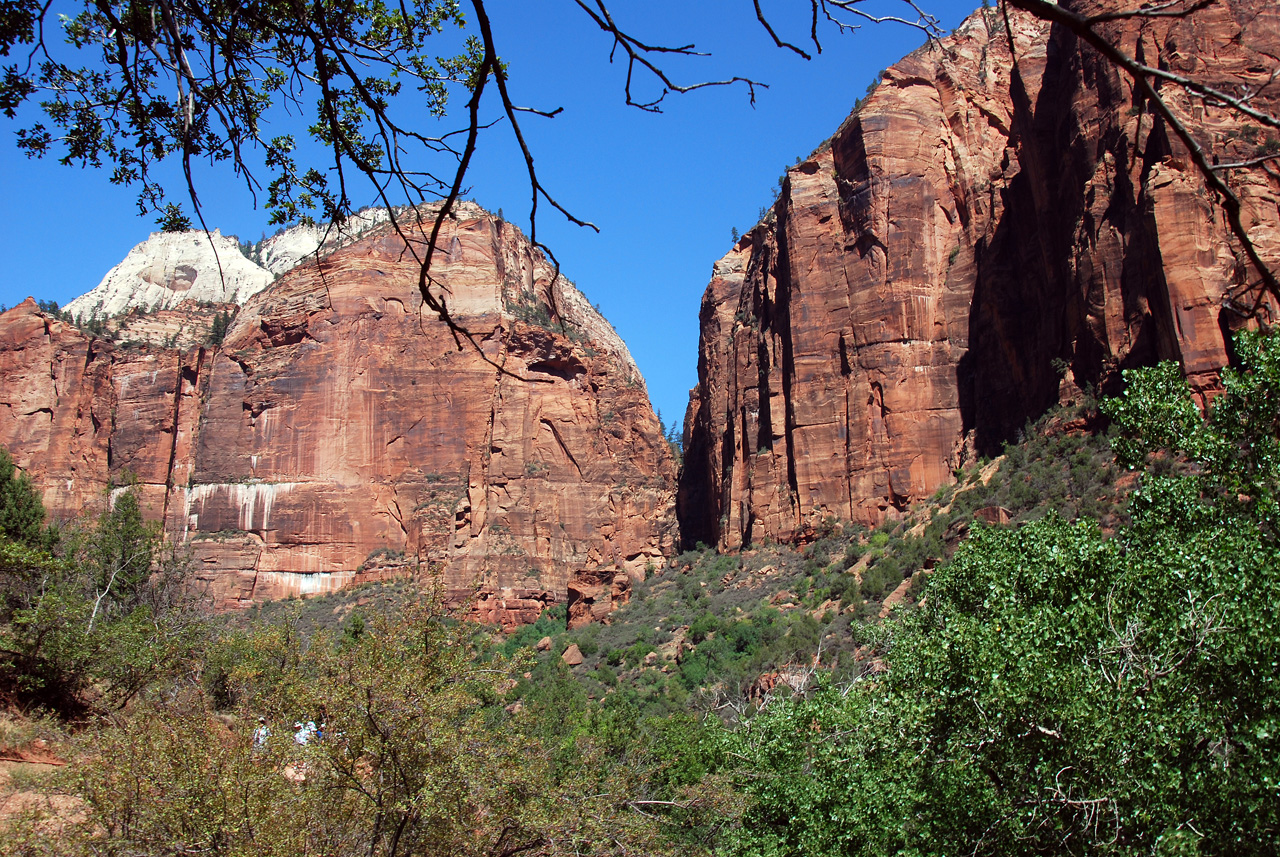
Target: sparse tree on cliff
(218,331)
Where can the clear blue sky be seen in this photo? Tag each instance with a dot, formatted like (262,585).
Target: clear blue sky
(666,190)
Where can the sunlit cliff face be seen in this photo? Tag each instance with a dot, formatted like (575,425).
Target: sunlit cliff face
(989,234)
(339,434)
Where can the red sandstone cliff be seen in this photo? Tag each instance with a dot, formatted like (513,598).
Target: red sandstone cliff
(339,432)
(995,228)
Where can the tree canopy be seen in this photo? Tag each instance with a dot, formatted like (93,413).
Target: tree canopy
(1063,690)
(89,616)
(1061,687)
(126,85)
(21,512)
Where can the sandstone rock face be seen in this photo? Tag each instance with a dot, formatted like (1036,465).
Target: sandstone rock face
(56,402)
(993,230)
(340,434)
(184,327)
(284,251)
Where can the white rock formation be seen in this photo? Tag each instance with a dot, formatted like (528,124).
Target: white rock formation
(282,252)
(170,268)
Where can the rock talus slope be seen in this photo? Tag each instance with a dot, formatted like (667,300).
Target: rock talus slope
(997,227)
(340,434)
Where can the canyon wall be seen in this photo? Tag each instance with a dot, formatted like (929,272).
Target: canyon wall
(340,433)
(997,227)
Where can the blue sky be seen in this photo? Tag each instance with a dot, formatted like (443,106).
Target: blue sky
(666,190)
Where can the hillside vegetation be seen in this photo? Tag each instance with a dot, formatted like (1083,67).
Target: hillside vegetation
(1072,650)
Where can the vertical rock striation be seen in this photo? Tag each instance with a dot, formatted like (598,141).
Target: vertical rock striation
(998,226)
(339,432)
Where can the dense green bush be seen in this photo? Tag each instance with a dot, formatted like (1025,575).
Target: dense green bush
(88,619)
(1062,691)
(419,757)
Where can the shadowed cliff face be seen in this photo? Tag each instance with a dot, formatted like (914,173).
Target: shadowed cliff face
(994,230)
(339,435)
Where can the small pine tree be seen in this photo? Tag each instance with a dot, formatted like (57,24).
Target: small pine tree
(122,551)
(21,512)
(218,331)
(675,437)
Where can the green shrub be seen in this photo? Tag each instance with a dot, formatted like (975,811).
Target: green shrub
(704,625)
(1057,676)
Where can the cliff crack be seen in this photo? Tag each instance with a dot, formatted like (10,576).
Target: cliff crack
(406,432)
(398,514)
(563,446)
(173,437)
(253,587)
(992,119)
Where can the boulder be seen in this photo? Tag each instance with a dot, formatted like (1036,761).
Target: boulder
(572,655)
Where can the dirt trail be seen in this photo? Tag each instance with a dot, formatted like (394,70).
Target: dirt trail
(19,781)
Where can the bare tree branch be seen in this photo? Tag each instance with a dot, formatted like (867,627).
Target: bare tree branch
(779,42)
(638,55)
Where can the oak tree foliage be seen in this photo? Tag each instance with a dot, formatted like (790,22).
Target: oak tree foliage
(127,84)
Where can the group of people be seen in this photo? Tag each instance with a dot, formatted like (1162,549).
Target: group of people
(303,733)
